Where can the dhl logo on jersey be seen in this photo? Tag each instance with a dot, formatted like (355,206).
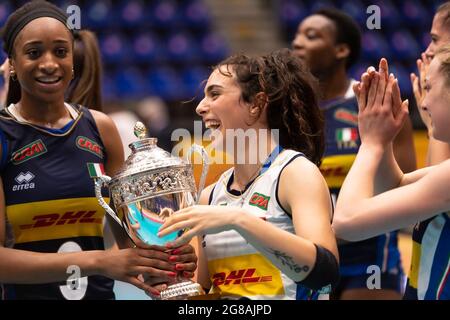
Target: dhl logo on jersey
(238,277)
(87,144)
(245,275)
(30,151)
(335,168)
(55,219)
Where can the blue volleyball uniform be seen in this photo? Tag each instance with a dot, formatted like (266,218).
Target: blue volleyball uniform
(49,198)
(342,144)
(430,264)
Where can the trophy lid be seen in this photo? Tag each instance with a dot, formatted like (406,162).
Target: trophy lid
(146,156)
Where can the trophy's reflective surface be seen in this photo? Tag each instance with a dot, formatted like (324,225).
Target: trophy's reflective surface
(143,219)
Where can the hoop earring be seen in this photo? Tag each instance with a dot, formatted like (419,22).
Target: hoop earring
(13,75)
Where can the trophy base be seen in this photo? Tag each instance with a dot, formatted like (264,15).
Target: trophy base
(182,291)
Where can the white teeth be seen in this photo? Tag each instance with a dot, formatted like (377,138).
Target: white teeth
(48,80)
(211,124)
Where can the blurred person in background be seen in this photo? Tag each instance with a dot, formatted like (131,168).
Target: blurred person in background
(438,151)
(4,73)
(85,88)
(329,42)
(155,114)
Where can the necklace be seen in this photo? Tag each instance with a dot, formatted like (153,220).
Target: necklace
(260,170)
(244,190)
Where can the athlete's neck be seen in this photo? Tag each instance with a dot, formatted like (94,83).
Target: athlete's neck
(254,155)
(42,113)
(334,84)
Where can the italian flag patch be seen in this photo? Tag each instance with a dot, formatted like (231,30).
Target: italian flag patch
(347,134)
(96,170)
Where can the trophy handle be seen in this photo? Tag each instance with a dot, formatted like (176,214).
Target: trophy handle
(205,160)
(99,182)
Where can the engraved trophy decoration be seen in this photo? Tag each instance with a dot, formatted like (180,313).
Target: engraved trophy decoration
(150,187)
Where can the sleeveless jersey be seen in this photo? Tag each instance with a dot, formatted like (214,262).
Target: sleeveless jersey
(342,144)
(50,200)
(235,267)
(429,276)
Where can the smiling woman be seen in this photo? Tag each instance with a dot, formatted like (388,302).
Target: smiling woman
(46,194)
(264,225)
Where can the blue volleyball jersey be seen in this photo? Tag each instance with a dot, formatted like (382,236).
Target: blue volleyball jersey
(430,263)
(50,200)
(342,144)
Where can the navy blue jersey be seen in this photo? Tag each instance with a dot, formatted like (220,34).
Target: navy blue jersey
(342,144)
(50,200)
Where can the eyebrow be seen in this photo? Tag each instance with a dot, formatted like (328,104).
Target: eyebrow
(212,87)
(432,34)
(40,42)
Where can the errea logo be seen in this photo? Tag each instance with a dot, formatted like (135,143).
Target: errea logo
(24,181)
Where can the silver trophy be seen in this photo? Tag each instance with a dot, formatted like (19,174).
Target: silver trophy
(150,187)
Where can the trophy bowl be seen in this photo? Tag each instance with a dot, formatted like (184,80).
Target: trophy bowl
(151,186)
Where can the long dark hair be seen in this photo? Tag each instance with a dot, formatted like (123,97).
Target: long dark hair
(85,88)
(292,101)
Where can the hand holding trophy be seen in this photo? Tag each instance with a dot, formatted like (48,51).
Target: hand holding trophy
(150,187)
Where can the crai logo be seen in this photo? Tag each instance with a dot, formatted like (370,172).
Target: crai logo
(89,145)
(259,200)
(30,151)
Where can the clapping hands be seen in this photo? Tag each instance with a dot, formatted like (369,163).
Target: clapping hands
(381,110)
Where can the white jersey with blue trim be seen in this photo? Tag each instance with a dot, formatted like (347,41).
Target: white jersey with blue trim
(235,267)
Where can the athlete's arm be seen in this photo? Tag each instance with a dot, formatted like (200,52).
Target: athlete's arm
(414,176)
(20,266)
(304,194)
(404,152)
(366,217)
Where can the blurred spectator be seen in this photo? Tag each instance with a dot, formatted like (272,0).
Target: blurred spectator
(155,114)
(4,73)
(124,120)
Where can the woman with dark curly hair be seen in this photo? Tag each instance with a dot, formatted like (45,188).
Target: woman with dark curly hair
(265,223)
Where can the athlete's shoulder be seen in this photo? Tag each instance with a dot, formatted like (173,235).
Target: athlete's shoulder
(103,121)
